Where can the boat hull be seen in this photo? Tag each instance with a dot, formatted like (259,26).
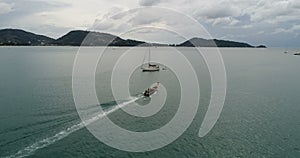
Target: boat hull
(151,68)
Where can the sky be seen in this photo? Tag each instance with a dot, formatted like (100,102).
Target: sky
(274,23)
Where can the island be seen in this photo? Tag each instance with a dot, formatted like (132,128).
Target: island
(200,42)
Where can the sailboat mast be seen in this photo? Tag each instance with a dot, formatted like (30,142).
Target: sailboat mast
(151,67)
(149,52)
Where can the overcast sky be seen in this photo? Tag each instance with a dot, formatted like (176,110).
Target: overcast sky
(270,22)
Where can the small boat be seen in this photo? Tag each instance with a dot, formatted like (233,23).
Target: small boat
(151,91)
(297,53)
(151,67)
(286,51)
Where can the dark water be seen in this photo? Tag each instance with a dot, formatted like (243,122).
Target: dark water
(260,118)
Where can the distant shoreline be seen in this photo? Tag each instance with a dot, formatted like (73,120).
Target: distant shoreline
(78,38)
(2,46)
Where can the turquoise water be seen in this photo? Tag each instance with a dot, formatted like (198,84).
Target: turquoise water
(260,117)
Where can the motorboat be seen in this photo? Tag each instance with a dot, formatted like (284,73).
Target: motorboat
(151,91)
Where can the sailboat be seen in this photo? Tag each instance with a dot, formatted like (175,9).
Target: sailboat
(149,67)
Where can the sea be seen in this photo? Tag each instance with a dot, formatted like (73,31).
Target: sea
(39,117)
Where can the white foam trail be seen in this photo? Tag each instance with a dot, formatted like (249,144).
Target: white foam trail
(50,140)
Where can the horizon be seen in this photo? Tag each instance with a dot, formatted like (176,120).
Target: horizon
(255,22)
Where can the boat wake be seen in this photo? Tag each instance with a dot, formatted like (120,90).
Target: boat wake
(29,150)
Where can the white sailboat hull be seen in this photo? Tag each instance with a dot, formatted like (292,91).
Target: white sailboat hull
(150,69)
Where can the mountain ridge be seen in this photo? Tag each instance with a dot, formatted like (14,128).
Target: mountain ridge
(18,37)
(21,37)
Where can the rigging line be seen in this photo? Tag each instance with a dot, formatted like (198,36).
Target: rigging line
(143,60)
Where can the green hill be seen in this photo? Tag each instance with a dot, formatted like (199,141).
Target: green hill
(17,37)
(200,42)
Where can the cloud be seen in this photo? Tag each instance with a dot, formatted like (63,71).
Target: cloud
(223,18)
(222,10)
(29,8)
(247,26)
(226,21)
(139,19)
(149,2)
(6,7)
(275,11)
(293,29)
